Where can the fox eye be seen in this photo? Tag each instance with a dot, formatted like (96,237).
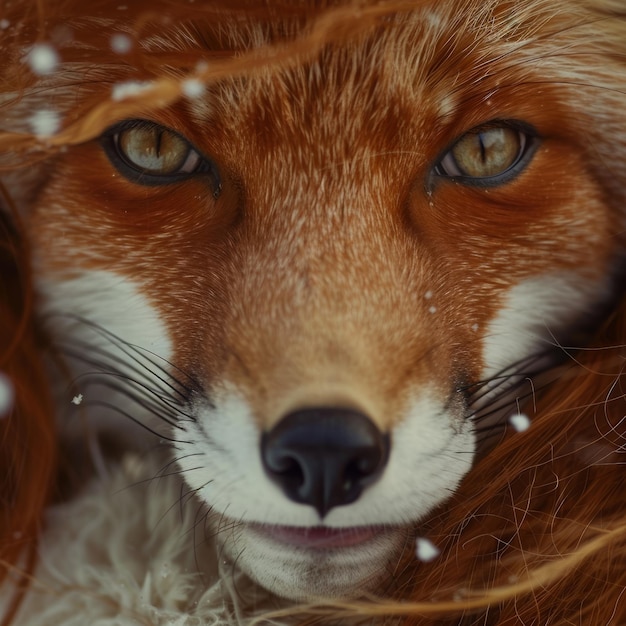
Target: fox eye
(488,156)
(150,154)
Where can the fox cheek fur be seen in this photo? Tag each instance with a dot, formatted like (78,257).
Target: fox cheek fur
(326,272)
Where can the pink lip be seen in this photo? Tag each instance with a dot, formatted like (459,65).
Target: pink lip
(318,537)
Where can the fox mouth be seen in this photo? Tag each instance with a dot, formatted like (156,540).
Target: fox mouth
(309,563)
(318,538)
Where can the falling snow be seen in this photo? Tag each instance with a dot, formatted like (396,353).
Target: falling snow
(166,570)
(42,59)
(77,399)
(6,395)
(122,91)
(426,550)
(193,88)
(4,24)
(121,44)
(45,123)
(520,422)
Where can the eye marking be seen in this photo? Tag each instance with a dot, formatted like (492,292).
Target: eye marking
(147,153)
(489,155)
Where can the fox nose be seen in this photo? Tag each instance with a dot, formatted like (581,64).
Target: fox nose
(324,456)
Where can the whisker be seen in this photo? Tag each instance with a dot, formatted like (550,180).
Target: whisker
(132,350)
(162,473)
(204,521)
(482,414)
(118,341)
(120,411)
(522,367)
(141,399)
(181,502)
(218,527)
(139,369)
(148,393)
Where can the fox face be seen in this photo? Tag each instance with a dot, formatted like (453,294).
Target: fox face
(316,283)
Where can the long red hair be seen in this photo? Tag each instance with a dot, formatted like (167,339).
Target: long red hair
(28,447)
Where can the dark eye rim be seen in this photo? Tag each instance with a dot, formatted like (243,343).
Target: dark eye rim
(533,140)
(109,143)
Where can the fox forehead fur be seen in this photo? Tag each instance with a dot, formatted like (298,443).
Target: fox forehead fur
(325,257)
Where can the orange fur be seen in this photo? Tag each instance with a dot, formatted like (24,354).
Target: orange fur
(543,496)
(536,534)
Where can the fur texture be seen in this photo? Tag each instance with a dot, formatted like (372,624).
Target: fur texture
(148,565)
(412,211)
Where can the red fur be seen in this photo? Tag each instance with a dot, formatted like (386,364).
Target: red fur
(27,434)
(536,534)
(540,497)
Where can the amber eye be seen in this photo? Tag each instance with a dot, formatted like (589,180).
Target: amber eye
(150,154)
(156,150)
(489,155)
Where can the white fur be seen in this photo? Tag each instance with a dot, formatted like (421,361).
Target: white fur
(530,320)
(220,453)
(118,306)
(532,315)
(111,300)
(124,553)
(431,451)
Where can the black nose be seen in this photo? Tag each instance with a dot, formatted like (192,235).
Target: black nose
(324,456)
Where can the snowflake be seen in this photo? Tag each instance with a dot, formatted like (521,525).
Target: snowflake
(45,122)
(6,395)
(520,422)
(426,550)
(42,59)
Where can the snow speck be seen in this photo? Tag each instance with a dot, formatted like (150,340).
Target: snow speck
(428,295)
(426,550)
(6,395)
(121,43)
(45,122)
(474,327)
(165,570)
(193,88)
(122,91)
(4,24)
(520,422)
(77,399)
(42,59)
(432,309)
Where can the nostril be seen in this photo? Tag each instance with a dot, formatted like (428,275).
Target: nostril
(285,467)
(324,457)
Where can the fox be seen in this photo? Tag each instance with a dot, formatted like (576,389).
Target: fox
(317,265)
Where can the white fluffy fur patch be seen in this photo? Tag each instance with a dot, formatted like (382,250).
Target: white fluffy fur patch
(125,553)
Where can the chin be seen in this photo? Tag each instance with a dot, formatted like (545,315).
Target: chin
(315,563)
